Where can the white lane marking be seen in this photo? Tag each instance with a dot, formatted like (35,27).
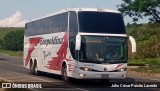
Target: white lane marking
(41,79)
(29,76)
(74,88)
(11,64)
(49,81)
(145,78)
(5,79)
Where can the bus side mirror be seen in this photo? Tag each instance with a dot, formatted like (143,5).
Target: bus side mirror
(78,42)
(133,43)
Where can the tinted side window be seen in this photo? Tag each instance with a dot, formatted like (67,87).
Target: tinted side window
(63,22)
(73,30)
(53,24)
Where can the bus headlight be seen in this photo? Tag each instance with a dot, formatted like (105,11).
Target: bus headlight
(85,68)
(122,69)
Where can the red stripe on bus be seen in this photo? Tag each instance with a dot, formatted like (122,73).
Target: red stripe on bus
(118,66)
(33,42)
(56,62)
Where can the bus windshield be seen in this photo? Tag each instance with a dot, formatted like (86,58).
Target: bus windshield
(98,49)
(101,22)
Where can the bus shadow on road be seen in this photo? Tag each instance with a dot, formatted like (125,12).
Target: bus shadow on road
(1,59)
(92,83)
(54,76)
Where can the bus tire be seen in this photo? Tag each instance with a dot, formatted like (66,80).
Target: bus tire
(31,67)
(64,74)
(36,72)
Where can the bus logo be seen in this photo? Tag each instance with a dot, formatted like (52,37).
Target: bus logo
(105,69)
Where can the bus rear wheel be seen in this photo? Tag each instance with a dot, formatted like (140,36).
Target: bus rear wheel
(64,74)
(36,72)
(31,68)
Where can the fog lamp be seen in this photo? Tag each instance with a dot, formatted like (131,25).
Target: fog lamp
(82,75)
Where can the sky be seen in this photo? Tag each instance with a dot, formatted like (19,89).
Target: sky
(15,13)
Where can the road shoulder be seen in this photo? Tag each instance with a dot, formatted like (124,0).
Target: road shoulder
(145,75)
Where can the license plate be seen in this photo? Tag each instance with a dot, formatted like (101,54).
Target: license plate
(104,76)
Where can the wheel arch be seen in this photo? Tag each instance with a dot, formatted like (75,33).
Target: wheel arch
(63,64)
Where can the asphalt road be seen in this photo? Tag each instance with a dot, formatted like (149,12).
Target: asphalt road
(12,70)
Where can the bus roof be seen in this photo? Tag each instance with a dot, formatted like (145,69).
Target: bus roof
(76,10)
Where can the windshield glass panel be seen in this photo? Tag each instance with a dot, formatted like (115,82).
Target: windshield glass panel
(101,22)
(103,49)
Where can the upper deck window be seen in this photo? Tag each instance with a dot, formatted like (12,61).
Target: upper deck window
(101,22)
(52,24)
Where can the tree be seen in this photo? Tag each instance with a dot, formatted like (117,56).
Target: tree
(14,40)
(1,42)
(141,8)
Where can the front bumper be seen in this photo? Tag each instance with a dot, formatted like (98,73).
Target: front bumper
(101,75)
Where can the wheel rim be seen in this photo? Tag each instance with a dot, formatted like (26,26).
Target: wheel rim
(36,69)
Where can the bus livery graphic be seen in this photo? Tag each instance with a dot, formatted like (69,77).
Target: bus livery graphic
(118,66)
(33,42)
(56,62)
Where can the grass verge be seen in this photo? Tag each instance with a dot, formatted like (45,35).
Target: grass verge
(154,62)
(12,53)
(147,69)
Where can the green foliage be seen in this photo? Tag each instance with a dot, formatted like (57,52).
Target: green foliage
(153,62)
(141,8)
(148,70)
(4,31)
(1,42)
(147,38)
(12,53)
(14,40)
(138,62)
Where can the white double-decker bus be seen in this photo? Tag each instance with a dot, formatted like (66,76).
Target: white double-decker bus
(82,43)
